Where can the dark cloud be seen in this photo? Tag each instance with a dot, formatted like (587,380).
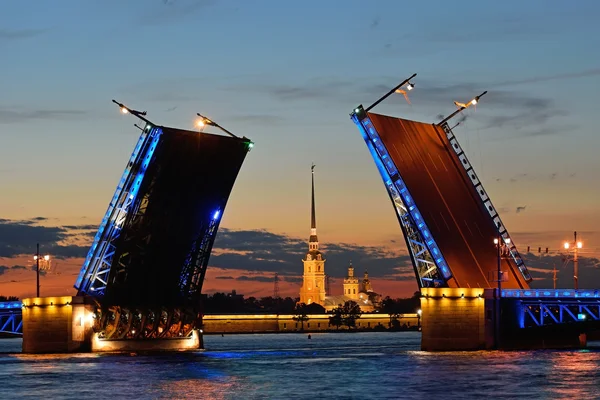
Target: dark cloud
(224,277)
(293,279)
(19,267)
(542,266)
(254,278)
(81,227)
(520,209)
(3,269)
(172,11)
(258,118)
(34,268)
(547,78)
(260,250)
(19,237)
(374,23)
(8,35)
(520,113)
(9,115)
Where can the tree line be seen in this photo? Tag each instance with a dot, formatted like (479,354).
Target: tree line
(232,303)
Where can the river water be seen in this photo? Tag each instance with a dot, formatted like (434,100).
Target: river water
(345,366)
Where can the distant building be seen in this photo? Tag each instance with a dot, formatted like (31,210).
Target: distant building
(362,293)
(313,279)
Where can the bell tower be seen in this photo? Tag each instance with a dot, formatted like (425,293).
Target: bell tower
(351,284)
(313,282)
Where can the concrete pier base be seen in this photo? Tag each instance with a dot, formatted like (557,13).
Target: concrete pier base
(148,345)
(61,324)
(64,324)
(455,319)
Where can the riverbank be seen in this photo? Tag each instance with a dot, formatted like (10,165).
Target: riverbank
(285,323)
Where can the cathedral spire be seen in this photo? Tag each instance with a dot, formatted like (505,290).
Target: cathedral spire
(313,241)
(313,217)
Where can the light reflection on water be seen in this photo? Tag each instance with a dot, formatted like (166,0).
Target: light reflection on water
(336,365)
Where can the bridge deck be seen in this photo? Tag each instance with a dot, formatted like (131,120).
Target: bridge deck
(447,200)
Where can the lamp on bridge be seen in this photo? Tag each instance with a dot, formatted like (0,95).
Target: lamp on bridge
(575,246)
(37,257)
(461,107)
(203,121)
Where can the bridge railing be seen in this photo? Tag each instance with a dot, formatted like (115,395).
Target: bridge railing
(11,317)
(551,293)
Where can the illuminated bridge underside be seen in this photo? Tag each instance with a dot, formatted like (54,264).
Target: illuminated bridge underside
(148,262)
(450,207)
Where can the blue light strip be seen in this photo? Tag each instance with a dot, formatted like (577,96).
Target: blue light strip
(124,197)
(551,293)
(109,211)
(10,305)
(388,169)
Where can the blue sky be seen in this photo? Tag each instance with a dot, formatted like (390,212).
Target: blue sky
(287,74)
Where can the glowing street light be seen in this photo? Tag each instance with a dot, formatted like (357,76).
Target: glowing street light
(576,245)
(462,106)
(140,114)
(397,89)
(203,121)
(37,258)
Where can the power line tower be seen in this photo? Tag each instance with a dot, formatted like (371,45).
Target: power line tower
(276,287)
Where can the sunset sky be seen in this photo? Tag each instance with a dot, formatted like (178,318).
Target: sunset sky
(287,75)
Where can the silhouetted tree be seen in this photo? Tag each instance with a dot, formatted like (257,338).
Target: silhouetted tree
(300,315)
(315,308)
(351,312)
(337,317)
(9,298)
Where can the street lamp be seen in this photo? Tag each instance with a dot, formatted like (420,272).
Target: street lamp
(397,89)
(203,121)
(37,258)
(462,106)
(576,245)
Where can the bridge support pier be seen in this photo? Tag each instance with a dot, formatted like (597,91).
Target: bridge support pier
(61,324)
(456,319)
(64,324)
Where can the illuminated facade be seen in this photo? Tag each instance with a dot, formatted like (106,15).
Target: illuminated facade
(313,282)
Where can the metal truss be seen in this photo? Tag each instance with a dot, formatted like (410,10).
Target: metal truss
(11,318)
(143,323)
(546,312)
(487,203)
(428,262)
(194,268)
(94,274)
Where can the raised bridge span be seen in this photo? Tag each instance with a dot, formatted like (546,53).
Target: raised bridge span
(474,284)
(445,213)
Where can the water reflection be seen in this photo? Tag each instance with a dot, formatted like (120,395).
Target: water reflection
(330,366)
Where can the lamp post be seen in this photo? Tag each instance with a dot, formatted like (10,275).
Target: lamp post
(461,107)
(576,245)
(396,89)
(203,121)
(500,245)
(37,267)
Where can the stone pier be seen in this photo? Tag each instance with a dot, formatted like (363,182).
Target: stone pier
(457,319)
(60,324)
(64,324)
